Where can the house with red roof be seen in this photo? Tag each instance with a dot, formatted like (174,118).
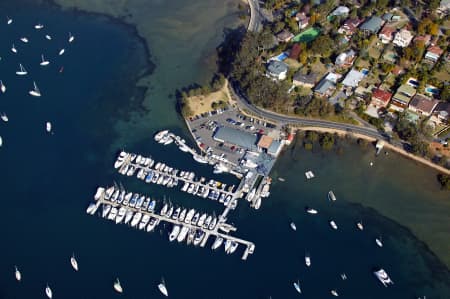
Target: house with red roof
(380,98)
(386,34)
(433,53)
(350,26)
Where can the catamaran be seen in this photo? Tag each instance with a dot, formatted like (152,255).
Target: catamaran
(117,286)
(43,61)
(331,196)
(35,92)
(162,288)
(4,117)
(17,274)
(293,226)
(2,87)
(38,26)
(13,49)
(71,37)
(383,277)
(48,292)
(22,71)
(297,287)
(74,262)
(24,39)
(48,126)
(61,52)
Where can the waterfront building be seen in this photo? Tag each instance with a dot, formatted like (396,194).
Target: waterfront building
(403,38)
(402,97)
(422,105)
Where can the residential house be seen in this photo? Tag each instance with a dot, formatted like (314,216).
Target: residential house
(350,26)
(345,59)
(403,38)
(302,19)
(284,36)
(353,78)
(325,88)
(277,69)
(444,7)
(441,114)
(305,80)
(422,105)
(402,97)
(387,17)
(372,25)
(295,51)
(433,53)
(340,11)
(426,39)
(380,98)
(386,34)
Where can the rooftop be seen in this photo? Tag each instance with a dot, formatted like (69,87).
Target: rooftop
(353,78)
(307,79)
(373,24)
(277,67)
(324,86)
(382,95)
(265,141)
(423,103)
(406,89)
(237,137)
(340,10)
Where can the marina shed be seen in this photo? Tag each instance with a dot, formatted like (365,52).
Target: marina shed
(236,137)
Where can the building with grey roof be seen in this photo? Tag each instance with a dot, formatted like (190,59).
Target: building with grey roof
(237,137)
(325,88)
(372,25)
(353,78)
(277,69)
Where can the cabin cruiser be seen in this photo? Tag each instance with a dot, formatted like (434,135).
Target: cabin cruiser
(201,220)
(383,277)
(133,200)
(195,218)
(217,243)
(121,215)
(182,234)
(297,287)
(379,242)
(176,213)
(74,262)
(106,209)
(127,198)
(182,215)
(169,212)
(112,215)
(311,211)
(199,234)
(207,221)
(331,196)
(333,224)
(175,231)
(162,288)
(307,260)
(136,218)
(140,201)
(200,159)
(99,193)
(159,135)
(121,196)
(334,293)
(213,223)
(189,216)
(233,247)
(128,216)
(152,224)
(359,225)
(293,226)
(151,206)
(48,292)
(144,221)
(17,274)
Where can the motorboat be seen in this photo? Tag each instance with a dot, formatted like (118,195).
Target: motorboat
(38,26)
(176,213)
(91,208)
(121,215)
(311,211)
(213,223)
(106,209)
(169,212)
(297,287)
(383,277)
(333,224)
(144,221)
(74,262)
(307,260)
(9,20)
(24,39)
(17,274)
(207,221)
(13,48)
(199,234)
(22,71)
(334,293)
(191,236)
(160,135)
(217,243)
(2,87)
(99,193)
(48,37)
(136,218)
(162,288)
(43,61)
(117,287)
(151,206)
(61,52)
(183,233)
(189,216)
(200,159)
(35,92)
(251,195)
(379,242)
(233,247)
(359,225)
(293,226)
(4,117)
(201,220)
(195,218)
(152,224)
(48,127)
(182,215)
(331,196)
(71,37)
(127,198)
(227,245)
(112,215)
(128,216)
(48,292)
(175,231)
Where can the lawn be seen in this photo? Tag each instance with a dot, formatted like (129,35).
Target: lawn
(306,36)
(203,103)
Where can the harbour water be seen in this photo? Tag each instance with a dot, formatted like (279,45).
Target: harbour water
(48,180)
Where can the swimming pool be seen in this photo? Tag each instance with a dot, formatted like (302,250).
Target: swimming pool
(413,82)
(431,89)
(365,72)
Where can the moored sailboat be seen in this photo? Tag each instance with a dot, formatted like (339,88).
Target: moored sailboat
(118,286)
(35,92)
(48,292)
(43,61)
(17,274)
(162,288)
(22,71)
(74,262)
(2,87)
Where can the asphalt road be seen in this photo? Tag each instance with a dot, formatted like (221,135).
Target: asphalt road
(255,16)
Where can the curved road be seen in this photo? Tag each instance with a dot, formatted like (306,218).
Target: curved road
(255,16)
(242,102)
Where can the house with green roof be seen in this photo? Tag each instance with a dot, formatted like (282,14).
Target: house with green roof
(402,97)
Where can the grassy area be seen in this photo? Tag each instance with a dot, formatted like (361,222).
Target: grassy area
(306,36)
(375,48)
(204,103)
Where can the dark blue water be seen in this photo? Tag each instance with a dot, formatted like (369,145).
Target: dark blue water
(48,180)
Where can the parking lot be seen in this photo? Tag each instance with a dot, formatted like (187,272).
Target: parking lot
(203,129)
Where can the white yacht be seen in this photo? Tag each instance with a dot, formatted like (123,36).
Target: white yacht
(162,288)
(160,135)
(182,234)
(293,226)
(48,292)
(152,224)
(311,211)
(1,141)
(201,220)
(38,26)
(17,274)
(2,87)
(233,247)
(379,242)
(136,218)
(61,52)
(48,126)
(331,196)
(71,37)
(13,49)
(217,243)
(175,231)
(128,216)
(333,224)
(117,286)
(121,215)
(43,61)
(297,287)
(383,277)
(144,221)
(48,37)
(359,225)
(24,39)
(334,293)
(106,209)
(4,117)
(35,92)
(22,71)
(9,20)
(74,262)
(307,260)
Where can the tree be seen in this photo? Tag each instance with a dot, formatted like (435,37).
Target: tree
(422,28)
(303,57)
(323,45)
(381,4)
(327,141)
(434,29)
(444,180)
(278,26)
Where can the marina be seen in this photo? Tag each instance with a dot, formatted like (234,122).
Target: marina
(142,212)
